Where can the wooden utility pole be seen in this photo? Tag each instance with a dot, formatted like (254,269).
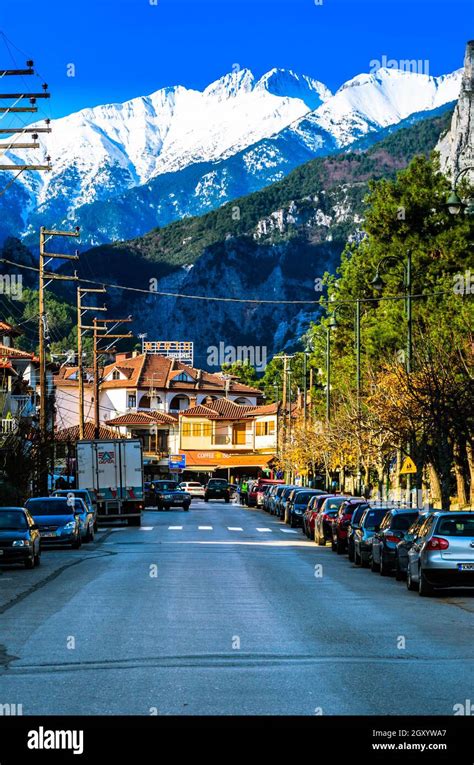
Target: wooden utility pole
(14,108)
(81,328)
(97,352)
(45,278)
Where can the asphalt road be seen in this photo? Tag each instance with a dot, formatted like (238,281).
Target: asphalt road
(224,610)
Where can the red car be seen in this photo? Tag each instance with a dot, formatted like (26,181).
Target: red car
(256,490)
(340,524)
(314,506)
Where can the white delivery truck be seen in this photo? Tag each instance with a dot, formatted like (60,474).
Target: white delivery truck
(112,472)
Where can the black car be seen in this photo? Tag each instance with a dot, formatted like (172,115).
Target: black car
(404,546)
(20,540)
(384,543)
(58,519)
(363,535)
(297,504)
(168,495)
(217,488)
(353,526)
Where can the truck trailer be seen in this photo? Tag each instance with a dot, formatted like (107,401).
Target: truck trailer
(112,472)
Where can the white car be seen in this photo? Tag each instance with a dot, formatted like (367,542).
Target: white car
(193,487)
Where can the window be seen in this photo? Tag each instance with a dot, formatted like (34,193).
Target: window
(201,429)
(239,433)
(266,428)
(183,377)
(115,375)
(207,429)
(131,400)
(186,428)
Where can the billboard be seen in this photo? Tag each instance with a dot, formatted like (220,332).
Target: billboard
(173,349)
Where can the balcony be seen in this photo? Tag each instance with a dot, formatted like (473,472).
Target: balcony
(7,426)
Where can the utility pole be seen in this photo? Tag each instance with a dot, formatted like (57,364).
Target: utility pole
(45,278)
(14,108)
(81,328)
(107,333)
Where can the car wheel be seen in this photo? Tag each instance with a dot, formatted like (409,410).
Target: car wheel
(350,553)
(398,571)
(38,558)
(206,499)
(373,565)
(364,562)
(340,547)
(96,527)
(76,544)
(333,545)
(135,521)
(383,569)
(89,535)
(186,508)
(411,585)
(321,541)
(29,562)
(292,522)
(357,560)
(425,589)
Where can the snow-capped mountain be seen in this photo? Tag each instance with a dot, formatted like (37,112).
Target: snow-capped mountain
(272,123)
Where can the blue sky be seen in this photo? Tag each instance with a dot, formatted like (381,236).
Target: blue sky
(125,48)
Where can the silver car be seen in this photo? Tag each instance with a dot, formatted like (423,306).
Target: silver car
(442,554)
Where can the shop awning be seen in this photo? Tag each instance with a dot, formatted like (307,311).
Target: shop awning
(210,460)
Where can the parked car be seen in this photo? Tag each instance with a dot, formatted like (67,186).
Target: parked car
(405,544)
(311,512)
(168,495)
(57,519)
(323,518)
(442,554)
(281,507)
(275,502)
(363,535)
(256,490)
(217,488)
(20,540)
(194,488)
(384,543)
(297,503)
(268,492)
(86,498)
(352,528)
(340,523)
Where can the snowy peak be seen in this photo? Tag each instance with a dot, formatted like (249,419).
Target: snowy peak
(285,83)
(231,85)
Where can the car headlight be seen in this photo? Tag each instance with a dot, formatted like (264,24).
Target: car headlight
(21,543)
(167,496)
(69,526)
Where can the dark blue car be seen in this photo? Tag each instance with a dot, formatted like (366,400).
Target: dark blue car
(58,520)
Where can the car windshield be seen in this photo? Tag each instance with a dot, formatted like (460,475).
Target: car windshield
(403,522)
(166,485)
(54,506)
(358,513)
(334,504)
(218,483)
(302,497)
(456,527)
(79,494)
(373,517)
(13,520)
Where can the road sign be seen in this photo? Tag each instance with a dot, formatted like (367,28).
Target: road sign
(177,461)
(408,466)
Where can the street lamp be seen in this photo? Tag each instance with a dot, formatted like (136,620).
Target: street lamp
(454,203)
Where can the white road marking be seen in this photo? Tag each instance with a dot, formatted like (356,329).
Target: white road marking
(289,531)
(265,530)
(175,528)
(205,528)
(234,528)
(146,528)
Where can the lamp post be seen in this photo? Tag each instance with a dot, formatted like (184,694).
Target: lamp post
(332,324)
(378,284)
(454,203)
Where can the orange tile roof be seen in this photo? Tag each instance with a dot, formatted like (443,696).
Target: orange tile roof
(72,433)
(15,353)
(143,418)
(9,329)
(225,409)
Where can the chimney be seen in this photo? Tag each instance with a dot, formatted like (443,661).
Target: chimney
(122,357)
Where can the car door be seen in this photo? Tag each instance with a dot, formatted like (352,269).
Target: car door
(414,552)
(377,539)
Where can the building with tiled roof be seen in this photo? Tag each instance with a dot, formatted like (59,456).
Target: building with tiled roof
(149,383)
(18,379)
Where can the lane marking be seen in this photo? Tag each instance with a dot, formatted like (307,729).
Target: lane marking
(175,528)
(269,530)
(205,528)
(146,528)
(234,528)
(289,531)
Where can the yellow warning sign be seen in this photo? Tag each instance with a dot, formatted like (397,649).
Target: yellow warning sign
(408,466)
